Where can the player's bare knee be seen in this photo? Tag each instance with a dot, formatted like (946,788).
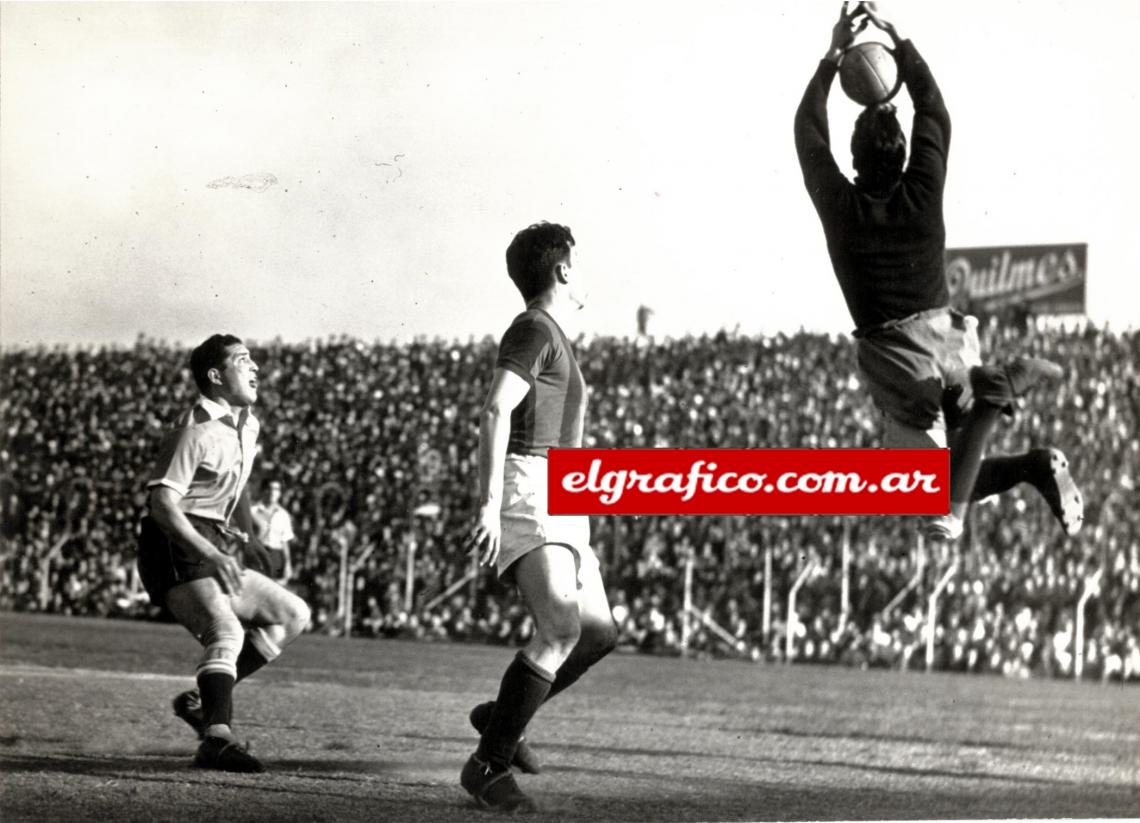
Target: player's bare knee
(289,614)
(563,639)
(221,629)
(604,639)
(561,632)
(298,616)
(598,639)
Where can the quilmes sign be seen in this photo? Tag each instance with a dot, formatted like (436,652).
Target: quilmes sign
(1039,279)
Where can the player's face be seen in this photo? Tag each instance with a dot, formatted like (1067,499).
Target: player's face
(579,292)
(239,377)
(274,492)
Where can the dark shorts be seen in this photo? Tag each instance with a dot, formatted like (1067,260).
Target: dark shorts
(164,565)
(276,563)
(918,368)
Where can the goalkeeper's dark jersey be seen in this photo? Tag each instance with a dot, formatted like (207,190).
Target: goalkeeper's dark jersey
(888,252)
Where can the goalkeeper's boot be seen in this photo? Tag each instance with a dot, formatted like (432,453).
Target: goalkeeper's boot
(1056,485)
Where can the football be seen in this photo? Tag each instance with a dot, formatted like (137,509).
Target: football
(869,74)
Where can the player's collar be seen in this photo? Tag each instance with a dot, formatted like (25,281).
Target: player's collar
(217,411)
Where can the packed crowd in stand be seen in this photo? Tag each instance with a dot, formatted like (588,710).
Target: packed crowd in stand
(375,447)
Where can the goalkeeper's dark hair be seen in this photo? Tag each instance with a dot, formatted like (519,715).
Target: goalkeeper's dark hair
(878,149)
(534,253)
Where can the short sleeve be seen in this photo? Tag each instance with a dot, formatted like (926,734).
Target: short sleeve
(525,350)
(177,462)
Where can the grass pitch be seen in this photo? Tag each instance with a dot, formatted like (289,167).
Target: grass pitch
(377,730)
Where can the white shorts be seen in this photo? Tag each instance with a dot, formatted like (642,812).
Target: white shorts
(526,521)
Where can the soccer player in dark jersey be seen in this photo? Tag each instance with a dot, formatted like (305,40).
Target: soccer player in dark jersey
(886,237)
(194,546)
(537,401)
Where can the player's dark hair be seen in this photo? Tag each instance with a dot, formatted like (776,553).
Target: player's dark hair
(533,254)
(878,148)
(210,354)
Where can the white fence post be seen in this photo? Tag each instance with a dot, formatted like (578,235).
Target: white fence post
(845,581)
(766,617)
(1092,588)
(350,581)
(687,603)
(46,583)
(74,497)
(932,611)
(793,618)
(450,590)
(409,574)
(726,637)
(912,584)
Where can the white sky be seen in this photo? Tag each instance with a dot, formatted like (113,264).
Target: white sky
(660,132)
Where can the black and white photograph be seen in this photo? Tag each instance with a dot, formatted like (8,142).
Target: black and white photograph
(300,302)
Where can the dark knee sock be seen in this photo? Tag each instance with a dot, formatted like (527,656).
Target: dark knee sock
(568,674)
(999,474)
(966,459)
(524,688)
(216,690)
(585,655)
(249,660)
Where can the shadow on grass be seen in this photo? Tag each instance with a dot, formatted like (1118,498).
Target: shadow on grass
(857,736)
(594,751)
(179,768)
(357,789)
